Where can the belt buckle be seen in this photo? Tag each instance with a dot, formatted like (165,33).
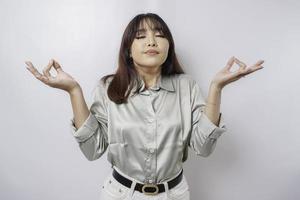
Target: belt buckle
(151,186)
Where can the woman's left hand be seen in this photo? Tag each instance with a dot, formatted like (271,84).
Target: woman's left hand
(225,76)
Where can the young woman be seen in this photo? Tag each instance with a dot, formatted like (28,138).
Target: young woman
(146,114)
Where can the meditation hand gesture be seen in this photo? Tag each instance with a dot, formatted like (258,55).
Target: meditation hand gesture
(225,76)
(62,81)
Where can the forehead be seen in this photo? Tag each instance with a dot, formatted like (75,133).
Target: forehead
(148,25)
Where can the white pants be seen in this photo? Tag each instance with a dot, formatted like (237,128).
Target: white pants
(113,190)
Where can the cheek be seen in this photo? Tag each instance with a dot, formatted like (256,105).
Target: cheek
(136,48)
(164,43)
(165,47)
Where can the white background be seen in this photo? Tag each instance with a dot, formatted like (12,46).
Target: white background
(257,158)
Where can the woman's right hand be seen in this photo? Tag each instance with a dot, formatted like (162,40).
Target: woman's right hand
(62,80)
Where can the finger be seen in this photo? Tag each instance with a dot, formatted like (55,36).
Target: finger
(32,69)
(255,69)
(249,71)
(240,63)
(241,74)
(57,66)
(35,72)
(229,63)
(258,63)
(256,66)
(46,70)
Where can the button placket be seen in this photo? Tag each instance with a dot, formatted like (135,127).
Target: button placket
(151,131)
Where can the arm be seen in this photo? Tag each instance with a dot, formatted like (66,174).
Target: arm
(91,128)
(223,78)
(207,121)
(204,132)
(212,108)
(80,109)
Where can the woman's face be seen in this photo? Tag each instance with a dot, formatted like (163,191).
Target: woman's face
(145,40)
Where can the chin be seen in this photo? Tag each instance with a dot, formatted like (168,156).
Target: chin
(151,64)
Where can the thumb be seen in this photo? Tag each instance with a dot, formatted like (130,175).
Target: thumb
(57,66)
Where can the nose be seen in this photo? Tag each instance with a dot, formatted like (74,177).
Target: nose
(152,42)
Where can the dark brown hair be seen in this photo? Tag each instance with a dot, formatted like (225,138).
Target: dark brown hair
(126,75)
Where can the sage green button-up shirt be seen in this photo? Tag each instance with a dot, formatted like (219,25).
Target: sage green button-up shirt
(148,138)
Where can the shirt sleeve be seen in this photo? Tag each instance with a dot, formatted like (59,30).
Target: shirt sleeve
(92,134)
(204,133)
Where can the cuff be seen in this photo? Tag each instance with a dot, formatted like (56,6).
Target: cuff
(209,128)
(86,130)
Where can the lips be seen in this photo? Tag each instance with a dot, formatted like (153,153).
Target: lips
(151,51)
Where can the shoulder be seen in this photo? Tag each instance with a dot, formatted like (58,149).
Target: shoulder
(185,77)
(189,85)
(185,80)
(105,81)
(101,86)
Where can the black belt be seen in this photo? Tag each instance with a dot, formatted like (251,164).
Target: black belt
(149,189)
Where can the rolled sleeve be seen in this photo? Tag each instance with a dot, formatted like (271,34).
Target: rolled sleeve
(204,133)
(86,130)
(92,134)
(209,129)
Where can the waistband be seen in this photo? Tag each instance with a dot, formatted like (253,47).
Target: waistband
(133,179)
(148,189)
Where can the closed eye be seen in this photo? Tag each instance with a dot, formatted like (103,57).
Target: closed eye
(139,37)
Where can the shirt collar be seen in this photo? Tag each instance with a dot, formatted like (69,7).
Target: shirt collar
(163,81)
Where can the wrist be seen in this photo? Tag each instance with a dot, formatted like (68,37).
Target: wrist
(216,86)
(76,90)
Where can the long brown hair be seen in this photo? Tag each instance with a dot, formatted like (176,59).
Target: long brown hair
(126,75)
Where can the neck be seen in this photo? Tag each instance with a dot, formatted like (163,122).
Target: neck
(150,75)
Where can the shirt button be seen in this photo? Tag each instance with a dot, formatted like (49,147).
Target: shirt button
(151,150)
(150,120)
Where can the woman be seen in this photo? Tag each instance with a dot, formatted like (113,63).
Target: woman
(147,114)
